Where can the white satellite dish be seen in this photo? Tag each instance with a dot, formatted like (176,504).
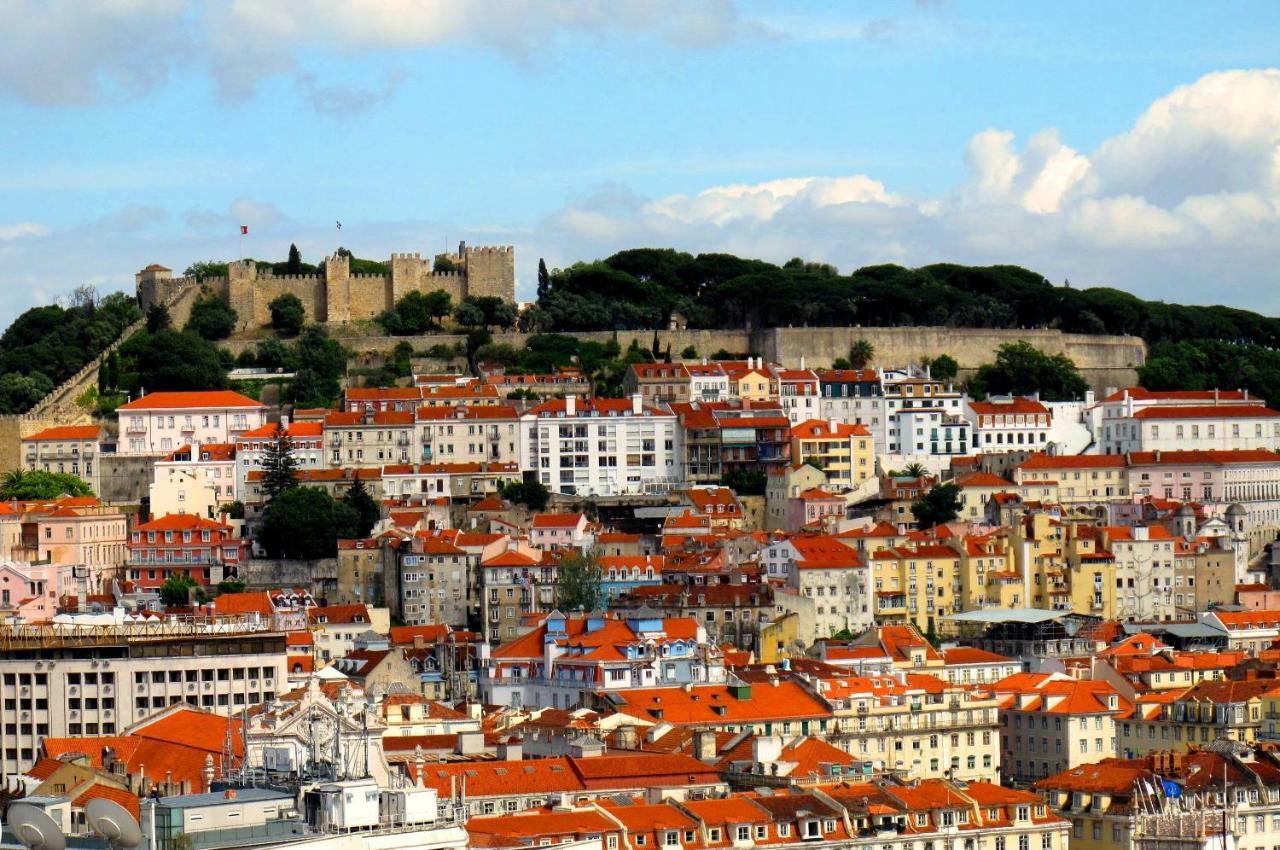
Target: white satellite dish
(113,822)
(35,829)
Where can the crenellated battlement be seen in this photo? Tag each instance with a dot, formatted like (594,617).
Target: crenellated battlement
(335,294)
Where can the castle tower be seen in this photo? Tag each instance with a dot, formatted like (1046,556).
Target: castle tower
(242,278)
(337,289)
(152,285)
(490,270)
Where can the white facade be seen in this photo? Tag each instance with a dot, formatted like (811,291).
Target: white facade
(306,438)
(1010,425)
(602,447)
(480,434)
(707,382)
(163,422)
(1206,428)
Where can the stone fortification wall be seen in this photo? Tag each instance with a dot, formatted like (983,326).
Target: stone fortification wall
(1105,361)
(125,479)
(335,295)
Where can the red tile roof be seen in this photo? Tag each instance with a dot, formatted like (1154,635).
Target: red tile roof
(1207,411)
(1019,404)
(191,400)
(66,432)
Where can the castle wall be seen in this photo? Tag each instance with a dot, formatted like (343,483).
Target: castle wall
(491,271)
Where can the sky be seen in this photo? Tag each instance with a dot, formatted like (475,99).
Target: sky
(1125,144)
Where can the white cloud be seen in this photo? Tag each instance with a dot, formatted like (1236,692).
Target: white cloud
(22,230)
(1184,205)
(69,52)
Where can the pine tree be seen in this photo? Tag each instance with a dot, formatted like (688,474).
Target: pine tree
(112,367)
(279,466)
(364,505)
(544,279)
(294,265)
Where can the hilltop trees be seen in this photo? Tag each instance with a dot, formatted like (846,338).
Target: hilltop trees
(211,316)
(1023,369)
(287,314)
(27,485)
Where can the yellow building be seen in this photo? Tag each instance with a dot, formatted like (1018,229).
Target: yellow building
(751,380)
(845,453)
(1081,479)
(916,583)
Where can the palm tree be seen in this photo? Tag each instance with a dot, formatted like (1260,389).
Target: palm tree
(914,470)
(860,353)
(12,481)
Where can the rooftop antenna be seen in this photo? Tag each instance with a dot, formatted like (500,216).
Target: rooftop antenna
(114,823)
(34,828)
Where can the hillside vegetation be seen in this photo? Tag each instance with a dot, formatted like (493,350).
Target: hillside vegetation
(46,345)
(643,287)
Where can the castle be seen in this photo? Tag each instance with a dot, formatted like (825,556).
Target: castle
(337,295)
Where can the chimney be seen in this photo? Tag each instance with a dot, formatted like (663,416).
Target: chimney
(801,361)
(284,421)
(831,423)
(570,405)
(704,746)
(637,404)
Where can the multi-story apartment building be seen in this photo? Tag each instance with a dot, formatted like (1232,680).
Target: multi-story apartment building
(72,449)
(1209,427)
(750,380)
(703,450)
(204,550)
(1017,424)
(657,384)
(708,382)
(731,613)
(211,466)
(799,393)
(564,382)
(834,577)
(915,725)
(1208,711)
(513,583)
(844,453)
(1112,419)
(1081,479)
(601,447)
(369,438)
(1050,723)
(160,423)
(450,481)
(478,434)
(104,679)
(933,431)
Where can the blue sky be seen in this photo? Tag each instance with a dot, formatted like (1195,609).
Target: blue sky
(1127,144)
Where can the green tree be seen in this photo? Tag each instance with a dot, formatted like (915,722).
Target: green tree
(294,264)
(745,482)
(578,582)
(230,585)
(689,353)
(939,505)
(19,393)
(169,360)
(469,315)
(287,314)
(279,466)
(533,494)
(233,510)
(112,368)
(860,353)
(158,318)
(544,279)
(914,470)
(176,590)
(211,317)
(367,513)
(37,485)
(943,367)
(206,269)
(444,265)
(1022,369)
(304,523)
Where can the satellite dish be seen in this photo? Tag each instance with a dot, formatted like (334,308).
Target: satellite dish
(113,822)
(35,829)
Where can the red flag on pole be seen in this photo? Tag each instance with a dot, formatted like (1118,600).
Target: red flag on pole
(244,229)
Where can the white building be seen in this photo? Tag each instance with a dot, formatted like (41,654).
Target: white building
(211,467)
(830,575)
(1211,427)
(119,672)
(799,393)
(602,447)
(1111,418)
(159,423)
(1017,424)
(707,382)
(487,433)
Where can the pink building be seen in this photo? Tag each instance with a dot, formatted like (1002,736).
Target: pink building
(559,531)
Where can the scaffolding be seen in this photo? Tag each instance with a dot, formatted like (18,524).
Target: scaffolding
(77,633)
